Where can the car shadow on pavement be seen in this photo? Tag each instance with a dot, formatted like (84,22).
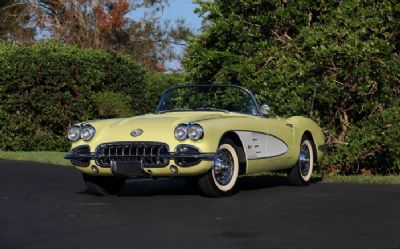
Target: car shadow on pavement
(268,181)
(163,186)
(188,186)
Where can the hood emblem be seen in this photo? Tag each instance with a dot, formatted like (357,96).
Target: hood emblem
(136,132)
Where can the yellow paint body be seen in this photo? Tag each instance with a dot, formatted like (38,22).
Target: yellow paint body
(160,128)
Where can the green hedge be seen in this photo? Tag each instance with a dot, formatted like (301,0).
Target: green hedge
(374,146)
(156,83)
(47,87)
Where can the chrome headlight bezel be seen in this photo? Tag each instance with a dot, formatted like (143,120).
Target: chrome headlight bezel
(181,132)
(74,133)
(195,132)
(87,132)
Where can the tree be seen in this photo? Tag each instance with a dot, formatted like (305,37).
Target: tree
(14,22)
(348,51)
(111,25)
(83,22)
(105,24)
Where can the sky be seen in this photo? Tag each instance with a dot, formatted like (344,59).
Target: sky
(176,9)
(182,9)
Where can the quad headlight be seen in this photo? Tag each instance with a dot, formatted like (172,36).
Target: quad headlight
(181,132)
(86,132)
(193,131)
(74,133)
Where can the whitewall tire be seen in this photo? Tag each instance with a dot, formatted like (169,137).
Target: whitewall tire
(300,174)
(221,179)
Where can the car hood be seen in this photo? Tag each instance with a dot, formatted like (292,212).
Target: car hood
(154,126)
(150,120)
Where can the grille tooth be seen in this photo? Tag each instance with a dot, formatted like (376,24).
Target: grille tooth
(148,153)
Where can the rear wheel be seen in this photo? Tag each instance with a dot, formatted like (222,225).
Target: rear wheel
(221,179)
(300,174)
(104,185)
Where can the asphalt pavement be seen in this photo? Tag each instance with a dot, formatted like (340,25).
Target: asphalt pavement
(46,206)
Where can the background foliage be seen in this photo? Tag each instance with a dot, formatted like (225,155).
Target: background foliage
(134,27)
(156,83)
(112,104)
(348,51)
(45,88)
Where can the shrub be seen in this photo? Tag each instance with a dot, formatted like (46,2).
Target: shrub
(156,83)
(112,105)
(374,146)
(47,87)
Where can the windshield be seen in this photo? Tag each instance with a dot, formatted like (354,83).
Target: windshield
(208,98)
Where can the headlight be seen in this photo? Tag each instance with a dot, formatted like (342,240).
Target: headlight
(181,132)
(87,132)
(74,133)
(195,132)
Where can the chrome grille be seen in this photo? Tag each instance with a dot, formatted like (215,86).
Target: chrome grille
(148,153)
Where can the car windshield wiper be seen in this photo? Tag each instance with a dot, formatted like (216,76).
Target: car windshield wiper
(210,109)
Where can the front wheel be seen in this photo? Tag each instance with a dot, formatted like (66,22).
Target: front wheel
(221,179)
(103,185)
(300,174)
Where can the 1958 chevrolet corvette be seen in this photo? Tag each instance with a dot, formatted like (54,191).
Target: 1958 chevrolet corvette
(213,133)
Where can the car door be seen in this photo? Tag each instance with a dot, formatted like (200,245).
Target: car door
(281,142)
(269,149)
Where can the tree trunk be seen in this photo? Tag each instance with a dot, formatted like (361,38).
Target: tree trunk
(344,124)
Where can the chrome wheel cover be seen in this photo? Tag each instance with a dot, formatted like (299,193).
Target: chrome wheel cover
(223,167)
(304,160)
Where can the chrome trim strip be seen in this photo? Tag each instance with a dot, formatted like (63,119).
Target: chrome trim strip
(201,156)
(170,155)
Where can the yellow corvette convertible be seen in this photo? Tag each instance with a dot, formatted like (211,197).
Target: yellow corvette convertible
(212,133)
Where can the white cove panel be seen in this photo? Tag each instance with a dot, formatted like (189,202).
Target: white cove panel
(258,145)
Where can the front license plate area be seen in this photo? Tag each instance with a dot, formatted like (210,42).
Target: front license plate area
(127,168)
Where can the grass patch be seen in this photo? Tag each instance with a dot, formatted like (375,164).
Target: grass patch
(51,157)
(361,179)
(391,179)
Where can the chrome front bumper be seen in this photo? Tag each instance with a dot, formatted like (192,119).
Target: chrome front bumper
(148,155)
(172,155)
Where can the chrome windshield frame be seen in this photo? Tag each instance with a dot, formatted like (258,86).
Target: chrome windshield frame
(250,93)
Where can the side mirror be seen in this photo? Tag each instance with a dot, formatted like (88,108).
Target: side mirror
(265,109)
